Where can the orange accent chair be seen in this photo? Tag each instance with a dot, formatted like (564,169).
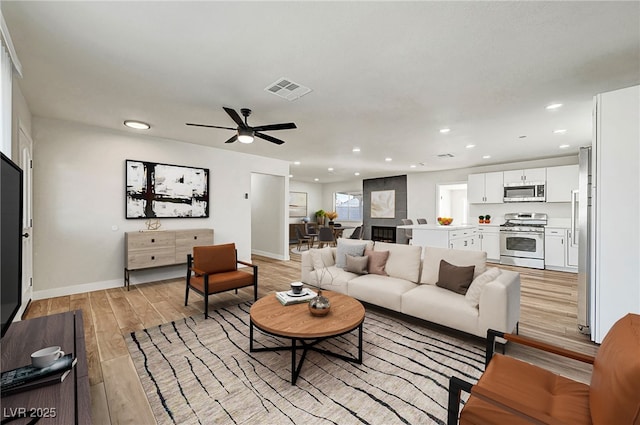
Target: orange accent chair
(515,392)
(214,269)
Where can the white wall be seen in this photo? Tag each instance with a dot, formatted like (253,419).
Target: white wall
(267,210)
(314,197)
(79,201)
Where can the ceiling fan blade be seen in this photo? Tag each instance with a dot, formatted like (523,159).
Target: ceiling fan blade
(269,138)
(209,126)
(235,117)
(232,139)
(271,127)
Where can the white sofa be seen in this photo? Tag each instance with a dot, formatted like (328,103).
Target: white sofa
(492,301)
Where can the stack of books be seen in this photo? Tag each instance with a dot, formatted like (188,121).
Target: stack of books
(288,298)
(28,377)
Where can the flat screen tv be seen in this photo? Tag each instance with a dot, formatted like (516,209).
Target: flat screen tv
(10,240)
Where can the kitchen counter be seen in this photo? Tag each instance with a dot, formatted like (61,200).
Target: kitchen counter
(437,227)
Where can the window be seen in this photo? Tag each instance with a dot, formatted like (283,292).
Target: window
(348,205)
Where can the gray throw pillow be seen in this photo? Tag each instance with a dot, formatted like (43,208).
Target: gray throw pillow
(455,278)
(344,249)
(357,265)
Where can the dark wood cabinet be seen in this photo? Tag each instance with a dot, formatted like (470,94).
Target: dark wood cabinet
(68,402)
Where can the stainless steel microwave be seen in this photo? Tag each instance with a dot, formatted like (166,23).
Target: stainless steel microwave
(533,192)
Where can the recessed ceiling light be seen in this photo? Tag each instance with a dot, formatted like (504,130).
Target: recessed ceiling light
(296,162)
(290,176)
(412,166)
(356,173)
(470,146)
(355,150)
(138,125)
(554,106)
(316,179)
(388,159)
(560,131)
(445,130)
(330,169)
(564,146)
(486,156)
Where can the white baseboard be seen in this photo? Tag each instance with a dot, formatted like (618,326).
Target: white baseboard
(142,276)
(270,255)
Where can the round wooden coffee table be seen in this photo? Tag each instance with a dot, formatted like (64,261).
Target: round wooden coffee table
(296,323)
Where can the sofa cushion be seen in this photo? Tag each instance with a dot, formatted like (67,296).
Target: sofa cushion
(455,278)
(331,278)
(377,261)
(357,265)
(457,257)
(403,261)
(321,258)
(475,289)
(344,248)
(384,291)
(439,305)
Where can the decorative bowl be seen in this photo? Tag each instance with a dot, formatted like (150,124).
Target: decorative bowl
(445,221)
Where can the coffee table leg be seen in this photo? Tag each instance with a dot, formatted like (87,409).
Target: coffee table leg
(360,343)
(293,362)
(250,336)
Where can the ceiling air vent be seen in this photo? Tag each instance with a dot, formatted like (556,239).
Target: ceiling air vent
(287,89)
(445,155)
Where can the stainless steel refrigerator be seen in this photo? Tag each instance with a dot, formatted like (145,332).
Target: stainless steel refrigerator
(582,232)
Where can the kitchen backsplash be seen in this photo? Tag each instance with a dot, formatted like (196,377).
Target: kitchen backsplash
(555,210)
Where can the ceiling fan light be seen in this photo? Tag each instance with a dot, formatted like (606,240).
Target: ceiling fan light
(245,135)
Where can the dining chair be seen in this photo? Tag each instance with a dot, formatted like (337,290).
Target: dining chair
(312,232)
(325,237)
(422,221)
(302,239)
(357,233)
(214,268)
(408,232)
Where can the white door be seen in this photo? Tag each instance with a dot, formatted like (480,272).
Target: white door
(25,158)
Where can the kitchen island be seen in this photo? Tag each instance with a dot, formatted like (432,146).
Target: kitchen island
(462,236)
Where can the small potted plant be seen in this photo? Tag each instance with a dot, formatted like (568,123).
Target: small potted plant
(487,219)
(320,217)
(480,219)
(331,215)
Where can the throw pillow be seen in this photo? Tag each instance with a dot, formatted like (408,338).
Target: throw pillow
(475,289)
(321,258)
(344,249)
(357,265)
(377,261)
(454,278)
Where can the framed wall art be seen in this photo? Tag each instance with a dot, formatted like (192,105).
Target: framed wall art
(297,204)
(156,190)
(383,204)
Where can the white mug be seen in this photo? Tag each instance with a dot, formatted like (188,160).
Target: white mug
(46,356)
(296,287)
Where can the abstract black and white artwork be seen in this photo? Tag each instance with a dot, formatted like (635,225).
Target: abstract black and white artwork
(156,190)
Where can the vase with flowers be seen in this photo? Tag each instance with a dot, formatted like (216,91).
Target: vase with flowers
(331,215)
(320,217)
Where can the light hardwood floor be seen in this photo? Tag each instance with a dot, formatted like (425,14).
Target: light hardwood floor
(548,312)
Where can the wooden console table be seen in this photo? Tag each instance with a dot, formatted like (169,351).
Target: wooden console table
(159,248)
(66,403)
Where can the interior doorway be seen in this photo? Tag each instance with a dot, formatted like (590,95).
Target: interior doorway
(452,202)
(268,216)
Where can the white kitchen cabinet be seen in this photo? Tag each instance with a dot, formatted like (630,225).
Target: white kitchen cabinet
(572,249)
(557,248)
(521,177)
(463,237)
(561,181)
(489,237)
(485,188)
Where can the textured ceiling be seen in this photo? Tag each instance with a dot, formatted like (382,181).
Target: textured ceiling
(386,76)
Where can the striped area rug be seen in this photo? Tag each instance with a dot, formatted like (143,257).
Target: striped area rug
(197,371)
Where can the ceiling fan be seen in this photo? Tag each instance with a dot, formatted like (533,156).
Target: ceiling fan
(246,133)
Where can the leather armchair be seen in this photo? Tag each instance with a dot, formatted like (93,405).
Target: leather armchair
(214,269)
(511,391)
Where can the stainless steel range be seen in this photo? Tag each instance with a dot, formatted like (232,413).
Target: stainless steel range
(522,240)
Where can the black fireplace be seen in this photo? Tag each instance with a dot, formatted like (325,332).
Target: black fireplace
(383,234)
